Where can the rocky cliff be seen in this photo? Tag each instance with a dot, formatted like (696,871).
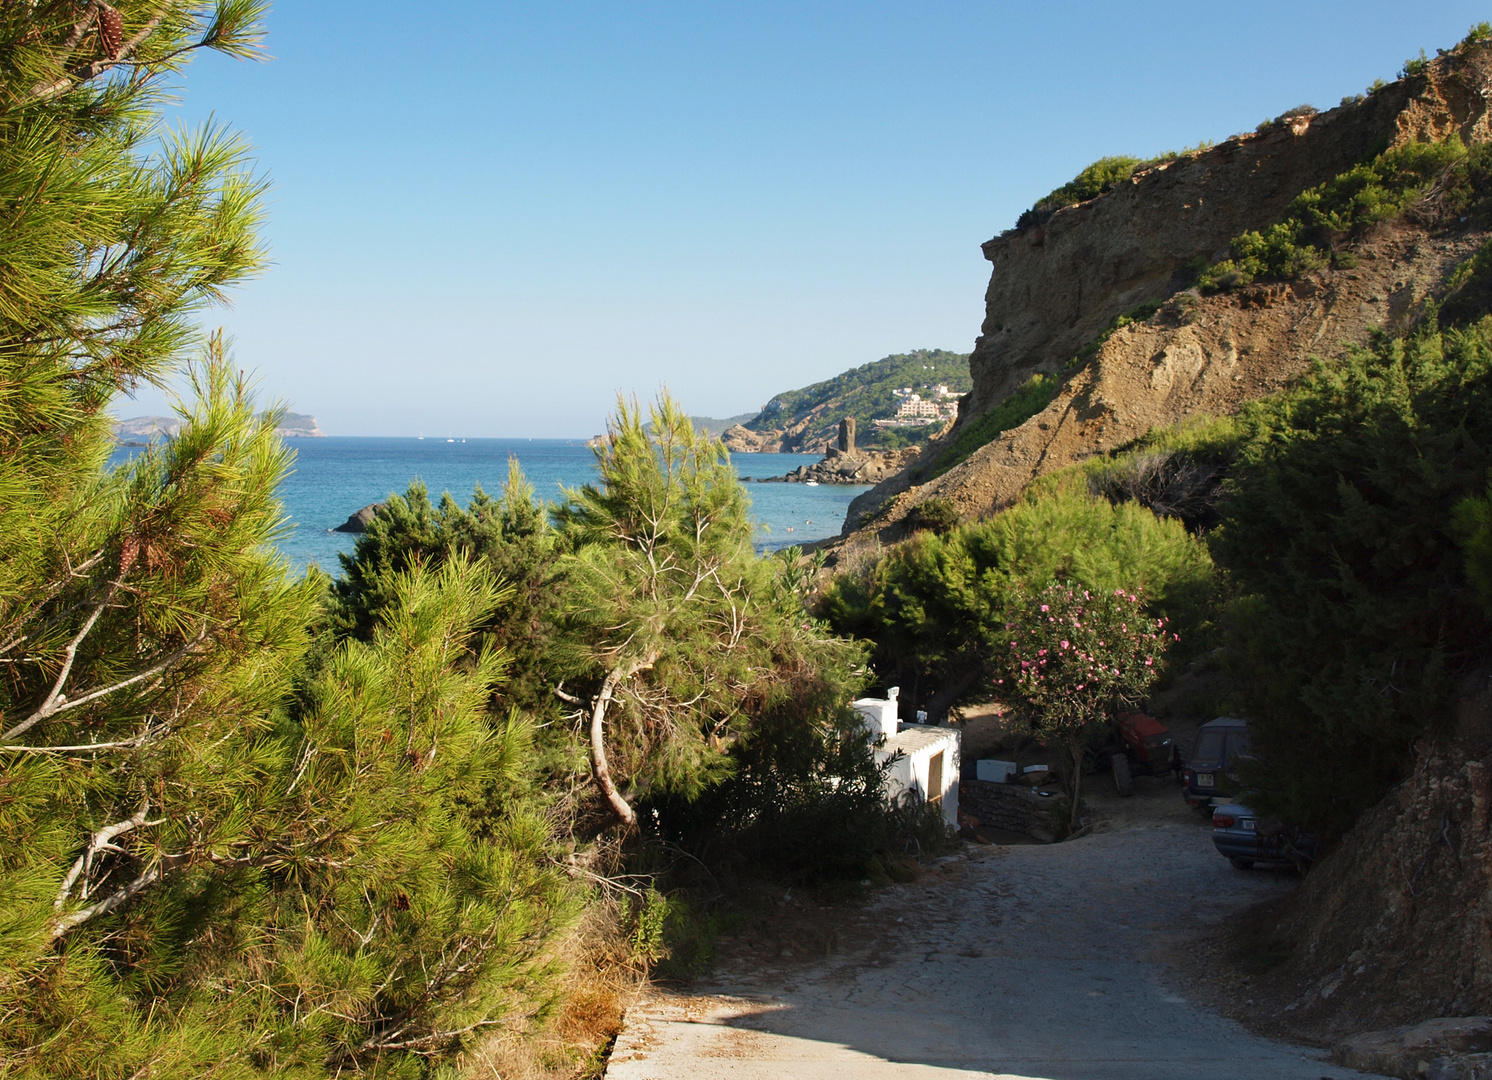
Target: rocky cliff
(1055,287)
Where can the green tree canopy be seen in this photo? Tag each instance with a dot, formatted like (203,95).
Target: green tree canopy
(679,634)
(1354,615)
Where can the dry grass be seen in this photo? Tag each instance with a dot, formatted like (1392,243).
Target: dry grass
(601,982)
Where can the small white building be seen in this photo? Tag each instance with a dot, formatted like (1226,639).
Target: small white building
(926,756)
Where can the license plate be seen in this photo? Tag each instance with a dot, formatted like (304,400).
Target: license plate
(1247,824)
(1206,780)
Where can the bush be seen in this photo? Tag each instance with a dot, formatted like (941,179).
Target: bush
(938,515)
(1097,179)
(1472,526)
(1319,219)
(1468,290)
(937,606)
(1352,618)
(1076,658)
(1169,484)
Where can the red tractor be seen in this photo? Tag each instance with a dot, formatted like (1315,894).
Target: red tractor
(1135,744)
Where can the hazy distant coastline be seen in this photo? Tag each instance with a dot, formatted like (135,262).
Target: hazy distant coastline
(145,428)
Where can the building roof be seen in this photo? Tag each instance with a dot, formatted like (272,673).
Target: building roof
(914,737)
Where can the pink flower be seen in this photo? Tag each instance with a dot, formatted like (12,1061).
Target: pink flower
(1147,661)
(1045,608)
(1064,644)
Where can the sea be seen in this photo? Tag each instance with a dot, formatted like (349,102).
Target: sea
(336,476)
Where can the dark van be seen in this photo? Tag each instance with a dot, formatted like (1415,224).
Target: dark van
(1211,774)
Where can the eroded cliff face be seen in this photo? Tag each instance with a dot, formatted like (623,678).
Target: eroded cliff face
(1054,288)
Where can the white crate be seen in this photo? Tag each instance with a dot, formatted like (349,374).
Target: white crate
(997,772)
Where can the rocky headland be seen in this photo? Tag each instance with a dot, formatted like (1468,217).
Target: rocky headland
(146,428)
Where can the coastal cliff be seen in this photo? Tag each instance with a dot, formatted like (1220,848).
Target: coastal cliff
(1057,289)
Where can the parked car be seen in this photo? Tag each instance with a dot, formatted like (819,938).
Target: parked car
(1239,834)
(1211,774)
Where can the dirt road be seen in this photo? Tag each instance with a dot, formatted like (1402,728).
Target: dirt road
(1022,961)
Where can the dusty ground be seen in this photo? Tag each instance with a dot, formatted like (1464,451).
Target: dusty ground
(1031,961)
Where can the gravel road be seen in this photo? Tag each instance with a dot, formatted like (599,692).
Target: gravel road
(1020,961)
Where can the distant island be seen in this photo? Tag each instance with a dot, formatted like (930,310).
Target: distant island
(147,428)
(895,401)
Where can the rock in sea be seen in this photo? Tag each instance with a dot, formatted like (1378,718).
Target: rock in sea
(358,522)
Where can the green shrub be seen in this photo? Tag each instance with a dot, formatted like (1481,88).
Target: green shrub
(1097,179)
(1468,290)
(1471,523)
(1352,621)
(1342,207)
(936,607)
(1417,65)
(937,514)
(1479,33)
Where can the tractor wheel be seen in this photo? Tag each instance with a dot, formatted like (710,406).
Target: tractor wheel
(1240,862)
(1123,779)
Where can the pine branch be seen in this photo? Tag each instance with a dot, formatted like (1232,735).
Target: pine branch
(103,840)
(56,703)
(51,594)
(83,72)
(114,900)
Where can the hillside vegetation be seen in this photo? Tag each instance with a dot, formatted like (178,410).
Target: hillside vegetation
(807,419)
(1288,454)
(430,819)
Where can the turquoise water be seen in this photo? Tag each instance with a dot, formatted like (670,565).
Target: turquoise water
(335,477)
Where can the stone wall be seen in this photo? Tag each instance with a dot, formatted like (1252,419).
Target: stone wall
(1012,807)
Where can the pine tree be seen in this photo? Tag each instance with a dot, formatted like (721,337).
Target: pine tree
(682,638)
(221,851)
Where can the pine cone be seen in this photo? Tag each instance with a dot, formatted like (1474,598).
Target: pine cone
(110,31)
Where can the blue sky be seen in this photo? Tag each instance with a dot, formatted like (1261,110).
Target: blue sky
(488,219)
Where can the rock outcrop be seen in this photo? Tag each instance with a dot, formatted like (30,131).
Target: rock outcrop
(1054,287)
(358,522)
(299,426)
(742,440)
(854,467)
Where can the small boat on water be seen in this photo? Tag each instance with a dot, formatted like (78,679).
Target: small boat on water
(811,483)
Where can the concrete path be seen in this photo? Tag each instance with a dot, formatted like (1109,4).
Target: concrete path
(1027,961)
